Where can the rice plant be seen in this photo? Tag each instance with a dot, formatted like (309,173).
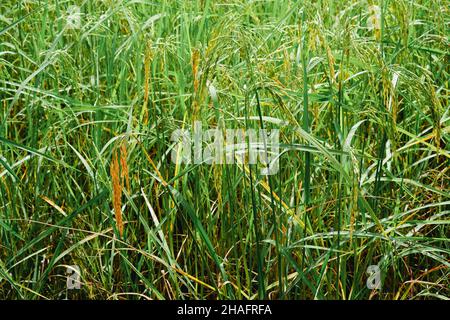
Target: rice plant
(91,92)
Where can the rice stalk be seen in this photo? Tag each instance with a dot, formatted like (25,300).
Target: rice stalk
(117,191)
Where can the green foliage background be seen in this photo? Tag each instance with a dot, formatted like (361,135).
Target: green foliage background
(363,179)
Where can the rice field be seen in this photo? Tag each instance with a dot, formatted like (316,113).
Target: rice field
(95,202)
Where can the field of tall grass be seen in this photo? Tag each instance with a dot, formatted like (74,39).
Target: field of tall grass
(91,92)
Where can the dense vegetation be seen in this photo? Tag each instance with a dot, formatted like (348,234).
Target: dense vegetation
(358,89)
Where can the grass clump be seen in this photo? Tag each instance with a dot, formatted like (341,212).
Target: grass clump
(86,177)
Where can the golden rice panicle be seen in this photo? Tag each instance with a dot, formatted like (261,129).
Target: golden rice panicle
(117,191)
(195,62)
(123,163)
(195,59)
(331,62)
